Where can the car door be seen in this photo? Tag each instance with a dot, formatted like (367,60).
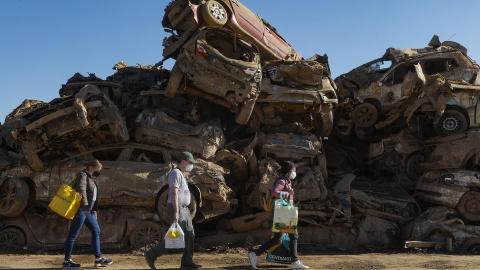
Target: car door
(140,175)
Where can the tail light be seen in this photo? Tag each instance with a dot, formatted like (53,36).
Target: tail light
(201,50)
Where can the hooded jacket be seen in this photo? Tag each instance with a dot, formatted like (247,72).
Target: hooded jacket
(85,185)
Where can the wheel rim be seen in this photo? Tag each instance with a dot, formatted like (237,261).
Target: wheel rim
(217,11)
(450,124)
(148,236)
(7,194)
(472,205)
(9,239)
(365,116)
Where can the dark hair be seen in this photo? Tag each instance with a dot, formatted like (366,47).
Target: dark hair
(286,167)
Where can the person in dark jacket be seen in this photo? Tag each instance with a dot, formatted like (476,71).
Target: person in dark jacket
(86,185)
(283,185)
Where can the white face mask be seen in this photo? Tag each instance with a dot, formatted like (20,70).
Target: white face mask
(189,167)
(293,175)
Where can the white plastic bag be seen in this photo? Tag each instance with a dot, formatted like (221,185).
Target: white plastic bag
(174,238)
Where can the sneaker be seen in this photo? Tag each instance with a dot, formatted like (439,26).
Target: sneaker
(70,265)
(253,259)
(150,260)
(191,265)
(102,261)
(298,265)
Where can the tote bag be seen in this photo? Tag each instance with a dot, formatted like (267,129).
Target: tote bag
(67,201)
(285,216)
(174,238)
(281,252)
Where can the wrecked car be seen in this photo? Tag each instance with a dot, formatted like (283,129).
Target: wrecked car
(157,128)
(187,16)
(457,189)
(439,228)
(77,122)
(136,228)
(298,91)
(133,175)
(232,62)
(374,88)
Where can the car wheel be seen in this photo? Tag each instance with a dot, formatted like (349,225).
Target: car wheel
(13,197)
(412,166)
(146,235)
(471,245)
(12,238)
(469,206)
(365,115)
(162,206)
(451,122)
(245,112)
(176,77)
(214,14)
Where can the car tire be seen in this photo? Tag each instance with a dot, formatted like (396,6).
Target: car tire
(365,115)
(162,206)
(471,245)
(214,14)
(13,197)
(245,112)
(176,77)
(412,166)
(469,206)
(451,122)
(146,234)
(12,239)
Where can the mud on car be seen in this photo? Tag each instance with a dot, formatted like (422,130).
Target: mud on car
(185,17)
(373,89)
(220,67)
(133,175)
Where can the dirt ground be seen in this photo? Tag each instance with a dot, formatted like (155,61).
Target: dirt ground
(238,260)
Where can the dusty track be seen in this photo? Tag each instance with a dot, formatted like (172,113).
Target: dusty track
(238,260)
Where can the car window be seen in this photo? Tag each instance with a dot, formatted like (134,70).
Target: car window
(107,155)
(380,65)
(142,155)
(398,74)
(435,66)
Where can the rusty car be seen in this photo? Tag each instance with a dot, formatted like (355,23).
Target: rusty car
(219,54)
(133,175)
(77,122)
(457,189)
(41,228)
(298,91)
(373,89)
(185,17)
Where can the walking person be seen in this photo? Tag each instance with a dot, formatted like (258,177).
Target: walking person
(86,185)
(283,185)
(177,210)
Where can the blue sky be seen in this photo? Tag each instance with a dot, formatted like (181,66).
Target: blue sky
(44,42)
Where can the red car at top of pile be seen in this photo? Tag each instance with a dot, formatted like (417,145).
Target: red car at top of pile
(187,16)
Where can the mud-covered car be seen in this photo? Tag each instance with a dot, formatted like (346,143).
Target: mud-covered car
(453,188)
(300,91)
(42,228)
(220,67)
(187,16)
(453,152)
(133,175)
(374,88)
(157,128)
(439,228)
(70,123)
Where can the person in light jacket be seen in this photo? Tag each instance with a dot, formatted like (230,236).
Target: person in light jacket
(283,185)
(86,185)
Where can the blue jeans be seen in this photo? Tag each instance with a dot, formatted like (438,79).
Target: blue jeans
(75,227)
